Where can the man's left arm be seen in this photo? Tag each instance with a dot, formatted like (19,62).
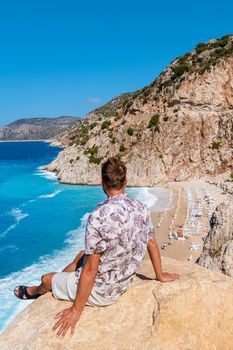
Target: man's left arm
(68,318)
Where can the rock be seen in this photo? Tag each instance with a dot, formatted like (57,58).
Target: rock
(193,136)
(217,251)
(193,313)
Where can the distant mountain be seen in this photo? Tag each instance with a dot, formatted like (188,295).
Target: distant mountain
(37,128)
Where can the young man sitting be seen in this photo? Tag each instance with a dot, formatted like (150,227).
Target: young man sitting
(118,233)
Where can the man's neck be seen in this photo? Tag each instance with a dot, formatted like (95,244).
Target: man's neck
(114,192)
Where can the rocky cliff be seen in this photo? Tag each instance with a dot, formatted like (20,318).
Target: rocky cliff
(192,313)
(179,126)
(217,252)
(37,128)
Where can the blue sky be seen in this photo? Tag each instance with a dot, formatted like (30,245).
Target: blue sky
(69,57)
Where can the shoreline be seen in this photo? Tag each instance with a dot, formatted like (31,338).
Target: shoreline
(178,250)
(48,141)
(195,226)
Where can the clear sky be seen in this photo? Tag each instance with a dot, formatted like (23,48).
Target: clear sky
(69,57)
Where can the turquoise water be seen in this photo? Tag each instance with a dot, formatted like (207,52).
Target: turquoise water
(42,222)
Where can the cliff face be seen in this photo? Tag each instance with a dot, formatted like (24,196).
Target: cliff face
(179,126)
(150,315)
(217,252)
(37,128)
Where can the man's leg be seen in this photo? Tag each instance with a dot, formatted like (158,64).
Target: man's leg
(46,280)
(44,287)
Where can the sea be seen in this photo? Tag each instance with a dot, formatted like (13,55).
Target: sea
(42,222)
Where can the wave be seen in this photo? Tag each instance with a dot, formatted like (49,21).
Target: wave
(10,305)
(49,175)
(10,247)
(50,195)
(143,194)
(18,216)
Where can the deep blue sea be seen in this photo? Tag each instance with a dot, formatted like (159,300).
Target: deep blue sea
(42,222)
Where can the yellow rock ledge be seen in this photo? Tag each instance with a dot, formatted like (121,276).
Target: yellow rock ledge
(195,312)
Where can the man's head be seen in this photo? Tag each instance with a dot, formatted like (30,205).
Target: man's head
(113,174)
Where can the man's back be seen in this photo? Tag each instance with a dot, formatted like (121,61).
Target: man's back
(119,228)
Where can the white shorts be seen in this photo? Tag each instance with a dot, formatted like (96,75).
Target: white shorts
(64,287)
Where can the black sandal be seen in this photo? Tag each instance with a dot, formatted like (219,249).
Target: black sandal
(23,293)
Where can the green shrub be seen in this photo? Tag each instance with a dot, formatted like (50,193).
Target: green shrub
(182,59)
(176,110)
(204,68)
(130,131)
(95,160)
(118,156)
(201,47)
(154,123)
(71,161)
(161,156)
(221,42)
(93,125)
(180,70)
(122,148)
(166,118)
(92,151)
(118,116)
(83,141)
(231,176)
(216,145)
(105,124)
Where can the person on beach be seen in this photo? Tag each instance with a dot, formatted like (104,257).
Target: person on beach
(118,233)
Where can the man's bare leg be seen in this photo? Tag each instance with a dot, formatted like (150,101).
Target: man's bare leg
(46,280)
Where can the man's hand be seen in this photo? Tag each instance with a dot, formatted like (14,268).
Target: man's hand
(155,258)
(67,319)
(167,277)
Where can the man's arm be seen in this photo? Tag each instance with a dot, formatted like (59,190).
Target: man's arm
(155,258)
(69,317)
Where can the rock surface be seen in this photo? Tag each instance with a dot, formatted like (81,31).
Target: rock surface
(217,251)
(190,314)
(191,134)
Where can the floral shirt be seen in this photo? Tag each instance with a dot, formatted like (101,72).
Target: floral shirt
(119,228)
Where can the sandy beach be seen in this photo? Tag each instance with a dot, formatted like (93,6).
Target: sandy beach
(192,206)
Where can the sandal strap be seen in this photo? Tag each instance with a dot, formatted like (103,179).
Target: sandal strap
(24,293)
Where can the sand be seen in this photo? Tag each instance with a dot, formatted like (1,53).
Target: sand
(165,222)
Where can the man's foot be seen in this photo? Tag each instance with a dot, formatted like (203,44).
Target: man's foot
(21,292)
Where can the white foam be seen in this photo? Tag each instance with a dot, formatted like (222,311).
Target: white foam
(18,216)
(50,195)
(45,173)
(143,194)
(10,305)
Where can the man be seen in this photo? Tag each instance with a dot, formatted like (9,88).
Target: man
(118,233)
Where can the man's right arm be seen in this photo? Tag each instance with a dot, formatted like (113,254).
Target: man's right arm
(155,258)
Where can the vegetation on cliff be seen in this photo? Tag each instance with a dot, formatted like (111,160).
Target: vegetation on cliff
(177,127)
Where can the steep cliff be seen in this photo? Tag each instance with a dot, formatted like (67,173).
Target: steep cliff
(36,128)
(179,126)
(217,252)
(194,312)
